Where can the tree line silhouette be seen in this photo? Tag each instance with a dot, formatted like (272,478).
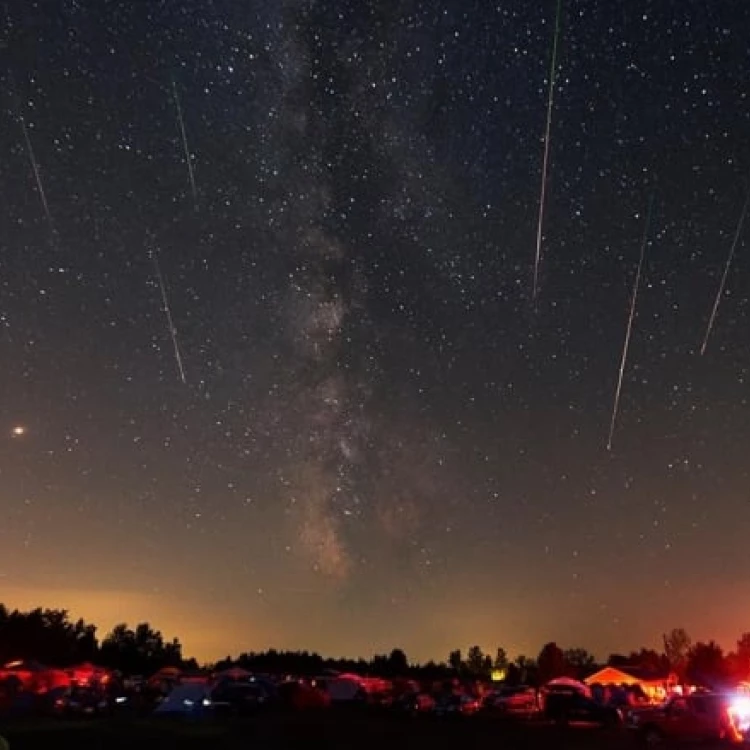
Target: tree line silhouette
(51,637)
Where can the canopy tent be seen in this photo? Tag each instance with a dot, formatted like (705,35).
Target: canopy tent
(655,686)
(611,676)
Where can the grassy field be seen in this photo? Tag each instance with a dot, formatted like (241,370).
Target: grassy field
(311,732)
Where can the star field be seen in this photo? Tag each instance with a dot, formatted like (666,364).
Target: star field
(381,440)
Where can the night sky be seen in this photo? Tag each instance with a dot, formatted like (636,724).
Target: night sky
(382,440)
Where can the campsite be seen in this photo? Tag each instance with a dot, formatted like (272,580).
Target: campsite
(137,690)
(235,709)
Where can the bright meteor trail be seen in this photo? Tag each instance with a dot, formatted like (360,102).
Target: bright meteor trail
(168,313)
(183,136)
(35,169)
(723,282)
(545,159)
(629,329)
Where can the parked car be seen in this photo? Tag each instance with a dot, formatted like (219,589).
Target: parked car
(457,705)
(693,718)
(520,699)
(239,699)
(566,706)
(80,703)
(414,703)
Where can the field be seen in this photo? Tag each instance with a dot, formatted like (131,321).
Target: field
(330,730)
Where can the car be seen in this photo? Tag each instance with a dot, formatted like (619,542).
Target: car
(566,706)
(692,718)
(79,703)
(414,703)
(520,699)
(457,705)
(239,699)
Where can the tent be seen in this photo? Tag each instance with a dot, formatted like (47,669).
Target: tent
(24,666)
(28,673)
(165,676)
(88,674)
(568,683)
(655,686)
(611,676)
(346,687)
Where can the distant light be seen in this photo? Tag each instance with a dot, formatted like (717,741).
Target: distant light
(19,430)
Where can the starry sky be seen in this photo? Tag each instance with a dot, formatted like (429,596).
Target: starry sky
(381,439)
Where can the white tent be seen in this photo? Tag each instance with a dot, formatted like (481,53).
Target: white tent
(191,699)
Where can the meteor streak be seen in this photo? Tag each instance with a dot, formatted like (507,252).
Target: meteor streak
(168,314)
(723,282)
(545,158)
(35,170)
(183,135)
(629,329)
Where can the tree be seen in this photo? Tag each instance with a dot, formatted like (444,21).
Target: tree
(579,661)
(476,662)
(455,660)
(139,651)
(523,671)
(47,636)
(649,661)
(706,665)
(501,662)
(739,660)
(743,646)
(398,664)
(677,645)
(86,647)
(618,660)
(551,662)
(487,666)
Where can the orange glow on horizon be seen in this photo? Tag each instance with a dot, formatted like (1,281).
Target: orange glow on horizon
(205,634)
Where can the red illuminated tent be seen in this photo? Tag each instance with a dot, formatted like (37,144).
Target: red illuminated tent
(88,673)
(29,673)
